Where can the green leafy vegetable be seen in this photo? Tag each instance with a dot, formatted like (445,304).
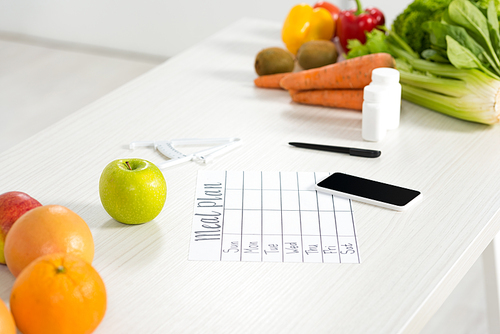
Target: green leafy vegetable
(375,43)
(493,26)
(407,25)
(492,16)
(435,55)
(458,72)
(439,33)
(356,49)
(484,5)
(463,58)
(467,94)
(463,13)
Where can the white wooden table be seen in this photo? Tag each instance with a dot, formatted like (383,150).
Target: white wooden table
(411,261)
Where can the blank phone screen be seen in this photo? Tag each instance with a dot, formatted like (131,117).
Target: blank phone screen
(370,189)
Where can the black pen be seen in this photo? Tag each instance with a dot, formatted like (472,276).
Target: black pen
(358,152)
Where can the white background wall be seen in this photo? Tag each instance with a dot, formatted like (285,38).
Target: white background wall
(156,27)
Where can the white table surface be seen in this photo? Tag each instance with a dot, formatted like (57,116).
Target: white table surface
(411,261)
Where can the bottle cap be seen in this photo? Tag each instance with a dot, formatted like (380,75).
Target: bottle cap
(385,75)
(375,93)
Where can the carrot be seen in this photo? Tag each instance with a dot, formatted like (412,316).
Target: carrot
(336,98)
(270,80)
(353,73)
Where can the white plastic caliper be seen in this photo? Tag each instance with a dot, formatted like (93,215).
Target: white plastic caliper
(166,147)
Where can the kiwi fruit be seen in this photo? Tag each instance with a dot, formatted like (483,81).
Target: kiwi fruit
(274,60)
(318,53)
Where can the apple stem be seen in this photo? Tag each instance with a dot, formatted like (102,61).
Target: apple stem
(128,165)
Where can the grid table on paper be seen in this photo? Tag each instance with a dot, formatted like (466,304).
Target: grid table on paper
(270,217)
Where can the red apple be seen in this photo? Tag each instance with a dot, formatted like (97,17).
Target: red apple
(13,205)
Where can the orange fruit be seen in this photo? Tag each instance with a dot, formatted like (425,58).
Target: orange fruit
(58,294)
(7,325)
(45,230)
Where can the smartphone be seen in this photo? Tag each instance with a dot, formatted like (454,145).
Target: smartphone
(369,191)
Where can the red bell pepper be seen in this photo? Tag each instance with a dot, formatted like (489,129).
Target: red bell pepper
(353,23)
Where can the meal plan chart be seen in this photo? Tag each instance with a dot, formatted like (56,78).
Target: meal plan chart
(270,217)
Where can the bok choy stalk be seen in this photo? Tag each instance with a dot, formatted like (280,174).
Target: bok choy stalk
(468,94)
(459,74)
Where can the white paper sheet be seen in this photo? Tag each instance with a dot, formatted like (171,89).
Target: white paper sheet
(270,217)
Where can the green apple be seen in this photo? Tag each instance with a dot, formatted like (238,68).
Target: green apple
(132,191)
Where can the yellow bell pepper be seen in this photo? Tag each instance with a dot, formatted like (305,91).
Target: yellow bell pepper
(304,24)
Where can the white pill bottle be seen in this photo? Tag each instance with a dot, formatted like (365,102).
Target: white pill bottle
(381,104)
